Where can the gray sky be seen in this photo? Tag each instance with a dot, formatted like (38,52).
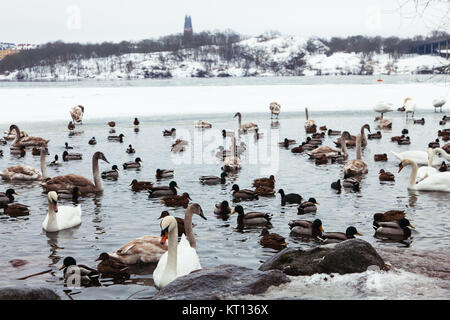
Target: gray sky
(24,21)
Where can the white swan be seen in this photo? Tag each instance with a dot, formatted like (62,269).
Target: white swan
(419,157)
(442,153)
(181,258)
(383,107)
(60,218)
(438,103)
(437,182)
(425,172)
(409,106)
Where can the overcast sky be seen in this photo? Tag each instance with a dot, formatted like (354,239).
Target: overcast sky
(39,21)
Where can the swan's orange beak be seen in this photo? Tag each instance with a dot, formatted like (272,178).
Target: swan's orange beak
(55,206)
(400,167)
(164,237)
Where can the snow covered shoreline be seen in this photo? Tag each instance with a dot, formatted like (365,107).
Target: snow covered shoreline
(53,103)
(254,57)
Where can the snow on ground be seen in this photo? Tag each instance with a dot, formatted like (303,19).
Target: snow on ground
(53,103)
(256,56)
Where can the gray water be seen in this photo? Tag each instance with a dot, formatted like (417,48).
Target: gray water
(120,215)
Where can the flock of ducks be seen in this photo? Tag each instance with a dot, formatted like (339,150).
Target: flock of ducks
(175,258)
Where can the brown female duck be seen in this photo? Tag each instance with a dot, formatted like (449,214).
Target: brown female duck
(272,240)
(177,201)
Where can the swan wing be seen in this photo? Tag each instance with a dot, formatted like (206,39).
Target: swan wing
(187,258)
(437,182)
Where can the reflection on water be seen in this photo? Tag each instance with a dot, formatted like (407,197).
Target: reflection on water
(113,218)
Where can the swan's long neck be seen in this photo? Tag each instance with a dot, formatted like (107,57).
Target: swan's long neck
(358,148)
(363,136)
(172,253)
(51,215)
(306,113)
(430,157)
(443,153)
(16,140)
(413,176)
(188,228)
(240,120)
(43,164)
(344,147)
(233,147)
(96,173)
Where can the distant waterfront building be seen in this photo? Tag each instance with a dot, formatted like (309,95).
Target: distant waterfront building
(188,31)
(7,48)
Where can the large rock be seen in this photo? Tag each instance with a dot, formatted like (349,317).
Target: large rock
(220,282)
(350,256)
(24,293)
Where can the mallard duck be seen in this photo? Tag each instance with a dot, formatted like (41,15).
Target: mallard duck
(163,173)
(442,133)
(298,149)
(404,141)
(222,208)
(111,266)
(16,209)
(308,206)
(244,194)
(395,230)
(442,122)
(446,148)
(179,145)
(419,121)
(130,149)
(350,182)
(136,164)
(289,198)
(35,151)
(305,228)
(334,132)
(374,135)
(112,124)
(272,240)
(7,197)
(71,126)
(69,194)
(85,275)
(258,135)
(171,132)
(434,144)
(140,185)
(267,182)
(443,167)
(322,159)
(177,201)
(71,156)
(210,180)
(264,191)
(118,138)
(275,109)
(397,138)
(21,152)
(388,216)
(55,162)
(113,173)
(226,133)
(336,185)
(251,218)
(380,157)
(136,122)
(66,145)
(162,191)
(334,237)
(286,142)
(386,176)
(92,141)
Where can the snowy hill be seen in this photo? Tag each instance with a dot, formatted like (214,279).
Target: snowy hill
(256,56)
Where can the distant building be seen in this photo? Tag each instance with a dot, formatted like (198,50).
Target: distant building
(7,48)
(188,31)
